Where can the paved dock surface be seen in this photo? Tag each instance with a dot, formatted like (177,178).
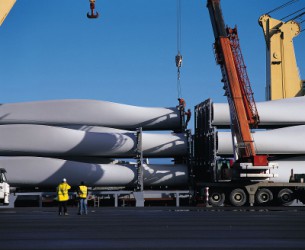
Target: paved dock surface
(153,228)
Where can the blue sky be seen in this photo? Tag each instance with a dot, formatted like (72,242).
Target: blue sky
(50,50)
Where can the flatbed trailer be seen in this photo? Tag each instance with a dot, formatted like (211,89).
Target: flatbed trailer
(214,172)
(250,194)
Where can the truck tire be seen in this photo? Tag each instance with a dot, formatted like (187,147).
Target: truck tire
(285,196)
(217,198)
(238,197)
(264,196)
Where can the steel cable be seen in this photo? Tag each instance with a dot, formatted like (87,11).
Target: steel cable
(292,14)
(282,6)
(179,56)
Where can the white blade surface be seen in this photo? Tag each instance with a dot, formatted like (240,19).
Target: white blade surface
(41,140)
(90,112)
(39,171)
(282,112)
(288,140)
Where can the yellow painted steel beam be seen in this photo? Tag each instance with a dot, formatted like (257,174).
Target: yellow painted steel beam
(5,8)
(283,78)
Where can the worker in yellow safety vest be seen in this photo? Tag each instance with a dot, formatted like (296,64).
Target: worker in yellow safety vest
(82,192)
(63,196)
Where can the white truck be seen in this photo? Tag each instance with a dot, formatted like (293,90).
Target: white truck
(4,188)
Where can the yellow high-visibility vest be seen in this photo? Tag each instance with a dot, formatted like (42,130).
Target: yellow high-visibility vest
(82,192)
(62,191)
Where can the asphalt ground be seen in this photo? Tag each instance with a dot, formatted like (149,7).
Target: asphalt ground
(153,228)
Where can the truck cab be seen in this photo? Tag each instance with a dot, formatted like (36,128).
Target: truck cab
(4,188)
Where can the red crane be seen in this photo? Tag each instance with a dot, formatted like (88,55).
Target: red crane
(243,111)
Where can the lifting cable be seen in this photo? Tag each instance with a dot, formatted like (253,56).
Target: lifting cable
(178,58)
(282,6)
(293,14)
(298,16)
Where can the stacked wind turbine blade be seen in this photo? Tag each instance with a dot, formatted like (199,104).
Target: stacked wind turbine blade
(281,133)
(278,113)
(90,112)
(42,142)
(46,172)
(281,141)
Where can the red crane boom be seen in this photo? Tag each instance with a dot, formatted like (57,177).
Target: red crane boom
(243,111)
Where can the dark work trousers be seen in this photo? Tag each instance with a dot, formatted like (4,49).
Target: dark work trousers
(62,205)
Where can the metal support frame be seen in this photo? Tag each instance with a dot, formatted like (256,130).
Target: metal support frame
(205,144)
(139,157)
(138,194)
(189,159)
(176,193)
(13,197)
(116,195)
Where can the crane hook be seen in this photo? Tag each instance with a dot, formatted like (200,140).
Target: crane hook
(178,60)
(92,7)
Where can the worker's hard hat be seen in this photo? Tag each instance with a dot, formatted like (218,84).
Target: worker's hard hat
(64,180)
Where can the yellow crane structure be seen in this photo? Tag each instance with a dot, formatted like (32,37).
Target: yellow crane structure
(283,77)
(5,8)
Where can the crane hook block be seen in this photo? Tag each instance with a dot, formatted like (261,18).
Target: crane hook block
(92,7)
(92,15)
(178,60)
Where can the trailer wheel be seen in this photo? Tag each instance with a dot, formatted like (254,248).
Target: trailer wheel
(238,197)
(285,196)
(217,198)
(264,196)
